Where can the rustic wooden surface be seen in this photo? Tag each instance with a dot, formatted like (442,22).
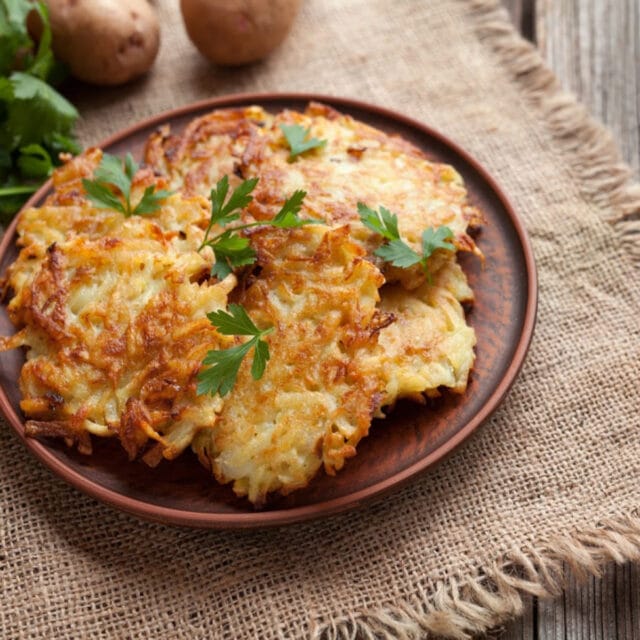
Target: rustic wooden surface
(594,48)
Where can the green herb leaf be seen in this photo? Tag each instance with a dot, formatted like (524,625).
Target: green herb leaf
(13,195)
(221,367)
(231,251)
(14,37)
(433,239)
(261,356)
(398,254)
(5,160)
(36,122)
(298,139)
(112,173)
(221,269)
(59,143)
(151,201)
(101,195)
(234,322)
(218,196)
(44,62)
(239,198)
(34,161)
(34,111)
(396,251)
(18,190)
(287,217)
(383,221)
(221,213)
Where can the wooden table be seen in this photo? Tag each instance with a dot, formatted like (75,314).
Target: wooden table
(594,48)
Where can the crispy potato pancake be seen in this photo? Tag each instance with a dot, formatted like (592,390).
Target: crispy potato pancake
(429,346)
(315,400)
(357,164)
(210,147)
(113,310)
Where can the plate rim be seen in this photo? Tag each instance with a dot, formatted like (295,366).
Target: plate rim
(278,517)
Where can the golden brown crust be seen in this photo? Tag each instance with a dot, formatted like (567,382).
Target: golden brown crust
(113,313)
(359,163)
(112,310)
(315,401)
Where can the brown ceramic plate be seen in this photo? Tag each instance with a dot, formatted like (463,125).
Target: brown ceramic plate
(410,441)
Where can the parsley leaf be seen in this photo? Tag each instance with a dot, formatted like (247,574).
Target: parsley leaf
(232,250)
(288,218)
(396,251)
(239,199)
(102,196)
(34,161)
(43,65)
(298,140)
(151,200)
(398,254)
(33,110)
(32,113)
(438,238)
(221,367)
(111,173)
(260,359)
(221,370)
(383,222)
(14,37)
(235,322)
(223,214)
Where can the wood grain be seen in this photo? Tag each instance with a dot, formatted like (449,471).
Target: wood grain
(593,46)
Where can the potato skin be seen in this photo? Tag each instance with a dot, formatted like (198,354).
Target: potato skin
(104,42)
(236,32)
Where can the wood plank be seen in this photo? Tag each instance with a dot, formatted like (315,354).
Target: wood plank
(593,46)
(523,628)
(523,16)
(604,608)
(551,619)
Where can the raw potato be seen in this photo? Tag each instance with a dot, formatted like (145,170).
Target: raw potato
(235,32)
(105,42)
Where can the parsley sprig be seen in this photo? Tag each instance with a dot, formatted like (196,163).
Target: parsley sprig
(36,122)
(221,367)
(231,249)
(111,172)
(396,251)
(299,141)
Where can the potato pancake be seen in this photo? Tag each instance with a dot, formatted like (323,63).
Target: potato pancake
(357,164)
(429,346)
(115,307)
(113,315)
(315,401)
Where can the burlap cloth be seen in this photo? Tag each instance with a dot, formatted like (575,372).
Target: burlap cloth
(551,480)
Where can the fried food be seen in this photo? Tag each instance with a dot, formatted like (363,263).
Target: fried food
(112,312)
(112,308)
(316,398)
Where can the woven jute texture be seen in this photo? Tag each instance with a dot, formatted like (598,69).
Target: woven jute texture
(551,481)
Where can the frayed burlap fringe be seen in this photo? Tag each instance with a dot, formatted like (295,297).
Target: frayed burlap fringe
(462,607)
(588,148)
